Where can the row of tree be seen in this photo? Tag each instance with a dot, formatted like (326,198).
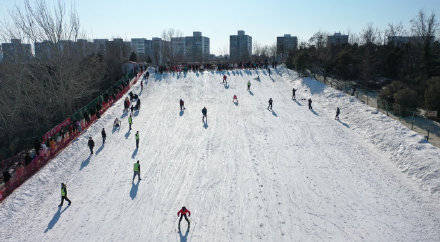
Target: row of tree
(41,92)
(405,65)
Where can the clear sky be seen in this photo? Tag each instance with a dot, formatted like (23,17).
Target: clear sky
(263,20)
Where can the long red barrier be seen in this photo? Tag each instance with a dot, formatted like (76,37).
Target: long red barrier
(22,173)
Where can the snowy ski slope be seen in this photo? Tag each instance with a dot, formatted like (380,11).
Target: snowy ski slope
(250,175)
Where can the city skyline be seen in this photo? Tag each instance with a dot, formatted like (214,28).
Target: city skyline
(264,21)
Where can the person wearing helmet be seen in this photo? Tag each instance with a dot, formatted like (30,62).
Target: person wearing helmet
(182,213)
(64,195)
(137,170)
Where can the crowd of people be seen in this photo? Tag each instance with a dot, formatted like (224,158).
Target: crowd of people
(130,107)
(218,66)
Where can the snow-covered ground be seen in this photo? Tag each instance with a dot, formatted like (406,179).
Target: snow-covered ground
(250,174)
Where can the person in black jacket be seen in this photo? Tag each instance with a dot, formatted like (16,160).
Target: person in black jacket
(91,144)
(205,115)
(104,135)
(270,104)
(310,104)
(182,105)
(64,195)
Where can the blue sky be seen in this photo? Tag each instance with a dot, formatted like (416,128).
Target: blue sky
(263,20)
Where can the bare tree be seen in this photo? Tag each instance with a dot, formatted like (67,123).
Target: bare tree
(319,39)
(41,92)
(170,51)
(425,27)
(370,35)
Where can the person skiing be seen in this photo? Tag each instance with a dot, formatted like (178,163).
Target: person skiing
(270,104)
(268,70)
(182,213)
(142,86)
(132,108)
(148,75)
(138,104)
(310,104)
(182,105)
(126,104)
(91,144)
(137,170)
(224,79)
(116,123)
(293,94)
(104,135)
(130,122)
(249,86)
(64,195)
(205,115)
(235,99)
(137,139)
(338,111)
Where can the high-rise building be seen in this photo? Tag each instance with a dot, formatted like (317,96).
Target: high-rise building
(240,46)
(286,44)
(16,51)
(43,50)
(138,45)
(191,48)
(85,47)
(100,45)
(337,39)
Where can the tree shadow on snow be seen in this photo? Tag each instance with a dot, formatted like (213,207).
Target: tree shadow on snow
(134,153)
(55,218)
(181,113)
(345,124)
(85,162)
(127,134)
(184,238)
(314,86)
(100,149)
(134,189)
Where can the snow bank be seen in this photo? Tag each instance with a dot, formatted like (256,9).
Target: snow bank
(408,149)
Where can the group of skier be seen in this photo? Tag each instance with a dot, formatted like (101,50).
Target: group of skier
(184,212)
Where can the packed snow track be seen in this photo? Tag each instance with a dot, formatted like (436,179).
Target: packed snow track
(248,175)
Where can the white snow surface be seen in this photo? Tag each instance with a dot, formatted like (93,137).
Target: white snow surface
(250,175)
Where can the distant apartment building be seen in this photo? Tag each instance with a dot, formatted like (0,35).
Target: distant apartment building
(157,50)
(402,40)
(100,45)
(43,50)
(286,44)
(139,45)
(240,46)
(16,51)
(191,48)
(85,47)
(337,39)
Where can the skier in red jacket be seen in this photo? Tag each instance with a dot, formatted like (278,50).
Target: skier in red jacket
(182,213)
